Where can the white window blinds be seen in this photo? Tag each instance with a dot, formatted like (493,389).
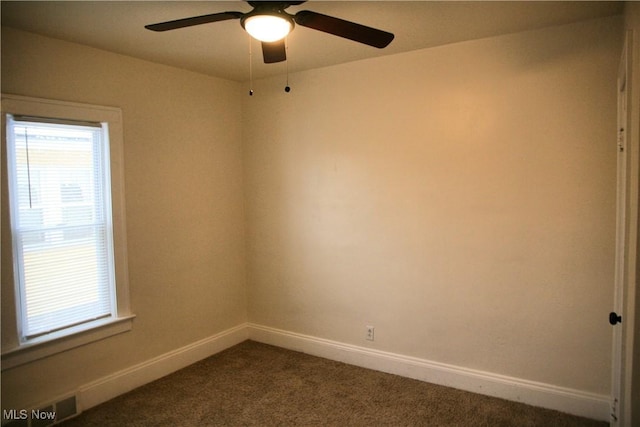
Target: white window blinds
(61,223)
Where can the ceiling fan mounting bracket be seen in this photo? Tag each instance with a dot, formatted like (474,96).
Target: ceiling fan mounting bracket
(273,6)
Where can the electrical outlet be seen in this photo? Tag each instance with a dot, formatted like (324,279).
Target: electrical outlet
(370,333)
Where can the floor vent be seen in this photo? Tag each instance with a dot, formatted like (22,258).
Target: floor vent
(41,417)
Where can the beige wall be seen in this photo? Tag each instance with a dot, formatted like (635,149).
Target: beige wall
(461,199)
(183,176)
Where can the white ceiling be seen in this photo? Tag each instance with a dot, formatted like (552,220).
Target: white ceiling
(222,49)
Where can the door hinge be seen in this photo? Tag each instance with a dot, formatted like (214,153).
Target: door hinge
(614,409)
(621,140)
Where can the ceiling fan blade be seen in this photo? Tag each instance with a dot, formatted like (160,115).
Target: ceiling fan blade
(194,20)
(346,29)
(274,51)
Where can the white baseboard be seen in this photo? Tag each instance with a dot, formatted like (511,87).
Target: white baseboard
(549,396)
(543,395)
(120,382)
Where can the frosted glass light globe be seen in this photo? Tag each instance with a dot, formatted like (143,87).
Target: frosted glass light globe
(267,28)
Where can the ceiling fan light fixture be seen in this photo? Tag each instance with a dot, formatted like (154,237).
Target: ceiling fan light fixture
(268,28)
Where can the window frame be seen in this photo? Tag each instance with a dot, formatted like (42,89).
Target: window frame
(15,352)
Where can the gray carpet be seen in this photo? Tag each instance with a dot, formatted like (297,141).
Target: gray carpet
(254,384)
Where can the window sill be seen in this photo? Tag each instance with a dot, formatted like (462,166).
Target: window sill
(58,342)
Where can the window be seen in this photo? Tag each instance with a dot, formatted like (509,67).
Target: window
(67,225)
(62,236)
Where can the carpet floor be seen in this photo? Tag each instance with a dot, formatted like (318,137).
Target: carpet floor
(255,384)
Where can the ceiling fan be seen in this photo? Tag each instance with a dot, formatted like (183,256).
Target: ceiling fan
(269,23)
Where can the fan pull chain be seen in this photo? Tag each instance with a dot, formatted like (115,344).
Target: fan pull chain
(286,44)
(26,142)
(250,69)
